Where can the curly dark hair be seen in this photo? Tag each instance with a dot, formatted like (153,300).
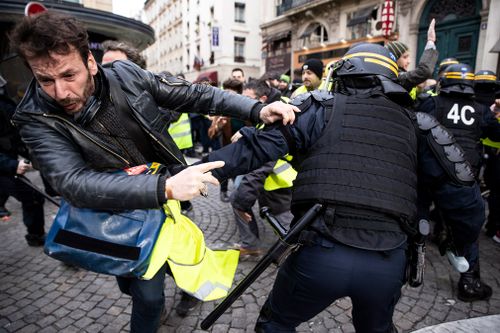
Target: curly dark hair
(131,52)
(49,32)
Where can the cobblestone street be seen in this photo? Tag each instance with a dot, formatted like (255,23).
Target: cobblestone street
(40,294)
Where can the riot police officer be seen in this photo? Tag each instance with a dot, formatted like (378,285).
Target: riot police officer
(486,90)
(469,121)
(366,177)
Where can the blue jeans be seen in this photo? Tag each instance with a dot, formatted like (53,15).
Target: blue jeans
(315,276)
(148,300)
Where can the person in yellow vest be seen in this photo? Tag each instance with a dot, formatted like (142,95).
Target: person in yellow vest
(180,131)
(487,92)
(409,79)
(312,71)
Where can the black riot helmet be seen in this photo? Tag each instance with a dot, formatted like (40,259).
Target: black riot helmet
(486,87)
(367,60)
(457,78)
(485,77)
(445,63)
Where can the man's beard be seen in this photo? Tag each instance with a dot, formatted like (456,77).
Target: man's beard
(87,92)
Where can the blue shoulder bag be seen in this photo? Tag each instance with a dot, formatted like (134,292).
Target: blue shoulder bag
(115,243)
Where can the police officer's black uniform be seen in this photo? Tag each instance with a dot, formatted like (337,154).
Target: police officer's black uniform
(469,121)
(357,152)
(486,90)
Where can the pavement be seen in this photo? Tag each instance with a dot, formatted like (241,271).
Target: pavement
(40,294)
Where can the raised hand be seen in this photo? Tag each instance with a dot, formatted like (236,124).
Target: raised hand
(431,33)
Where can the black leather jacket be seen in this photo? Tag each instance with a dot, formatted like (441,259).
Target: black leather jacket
(81,167)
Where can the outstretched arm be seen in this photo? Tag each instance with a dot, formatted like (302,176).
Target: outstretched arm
(257,147)
(425,66)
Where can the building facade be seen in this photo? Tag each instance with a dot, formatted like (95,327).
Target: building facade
(296,30)
(205,39)
(105,5)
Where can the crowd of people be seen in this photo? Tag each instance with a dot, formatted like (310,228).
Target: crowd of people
(380,146)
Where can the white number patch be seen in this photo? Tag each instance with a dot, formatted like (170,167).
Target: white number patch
(462,115)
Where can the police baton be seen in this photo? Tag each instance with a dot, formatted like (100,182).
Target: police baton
(281,245)
(26,181)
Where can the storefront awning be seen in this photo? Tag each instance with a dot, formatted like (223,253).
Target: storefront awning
(210,76)
(362,16)
(278,36)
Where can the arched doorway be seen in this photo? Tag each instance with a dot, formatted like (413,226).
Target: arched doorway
(457,28)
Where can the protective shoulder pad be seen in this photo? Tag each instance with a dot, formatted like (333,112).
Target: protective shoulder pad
(426,121)
(323,97)
(302,101)
(450,155)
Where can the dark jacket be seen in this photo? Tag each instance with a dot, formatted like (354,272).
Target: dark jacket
(422,72)
(80,166)
(10,143)
(251,189)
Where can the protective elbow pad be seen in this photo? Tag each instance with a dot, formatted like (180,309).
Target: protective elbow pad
(450,155)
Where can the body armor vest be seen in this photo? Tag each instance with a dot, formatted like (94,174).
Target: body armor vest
(462,117)
(365,158)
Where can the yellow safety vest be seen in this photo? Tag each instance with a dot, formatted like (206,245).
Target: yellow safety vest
(180,131)
(282,176)
(206,274)
(413,93)
(432,92)
(285,99)
(488,142)
(283,173)
(491,143)
(300,90)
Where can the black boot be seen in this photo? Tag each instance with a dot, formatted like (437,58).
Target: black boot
(186,304)
(471,288)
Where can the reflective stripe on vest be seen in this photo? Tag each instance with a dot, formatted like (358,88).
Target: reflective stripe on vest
(180,131)
(199,271)
(282,176)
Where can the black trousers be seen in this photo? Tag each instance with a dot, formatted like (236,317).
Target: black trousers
(315,276)
(32,203)
(492,180)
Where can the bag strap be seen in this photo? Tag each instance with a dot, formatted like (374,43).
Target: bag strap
(128,120)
